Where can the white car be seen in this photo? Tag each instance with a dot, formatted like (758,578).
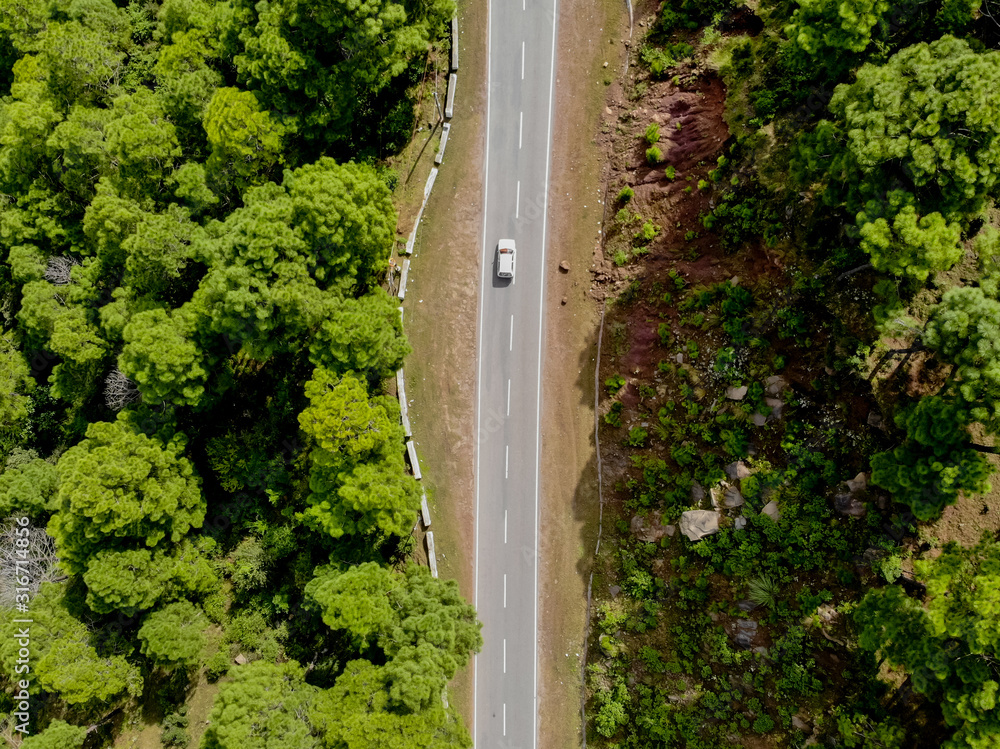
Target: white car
(505,258)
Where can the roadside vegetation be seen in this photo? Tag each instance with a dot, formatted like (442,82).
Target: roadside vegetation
(202,469)
(801,381)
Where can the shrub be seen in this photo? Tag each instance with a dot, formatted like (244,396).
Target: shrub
(626,194)
(614,416)
(636,437)
(218,665)
(763,724)
(619,258)
(666,337)
(653,134)
(648,232)
(654,155)
(614,384)
(175,729)
(671,172)
(764,590)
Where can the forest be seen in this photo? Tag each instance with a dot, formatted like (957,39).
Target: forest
(203,475)
(819,304)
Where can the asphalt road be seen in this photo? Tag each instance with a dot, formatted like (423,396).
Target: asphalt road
(519,131)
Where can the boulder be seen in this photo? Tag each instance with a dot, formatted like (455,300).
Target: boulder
(775,404)
(740,523)
(564,265)
(732,498)
(738,470)
(848,504)
(858,484)
(737,393)
(800,724)
(614,590)
(875,420)
(771,510)
(651,530)
(775,384)
(717,494)
(696,524)
(746,630)
(758,420)
(697,493)
(241,660)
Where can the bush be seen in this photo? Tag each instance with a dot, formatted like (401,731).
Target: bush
(614,384)
(648,232)
(614,416)
(218,665)
(671,172)
(626,194)
(653,134)
(636,437)
(654,155)
(175,729)
(763,724)
(619,258)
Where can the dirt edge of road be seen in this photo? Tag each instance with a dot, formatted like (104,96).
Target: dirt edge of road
(591,56)
(441,317)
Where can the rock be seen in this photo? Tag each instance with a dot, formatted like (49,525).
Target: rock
(829,371)
(746,630)
(732,498)
(564,300)
(241,660)
(775,404)
(737,393)
(717,494)
(734,281)
(738,470)
(614,590)
(746,605)
(679,358)
(775,384)
(875,420)
(607,110)
(605,65)
(801,725)
(740,523)
(564,266)
(650,531)
(847,504)
(771,510)
(858,483)
(714,616)
(882,502)
(697,493)
(761,650)
(758,420)
(696,524)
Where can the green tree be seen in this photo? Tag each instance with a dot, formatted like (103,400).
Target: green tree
(916,136)
(344,423)
(57,735)
(263,706)
(935,462)
(950,646)
(119,485)
(30,489)
(246,143)
(63,660)
(357,714)
(162,357)
(315,64)
(434,635)
(377,497)
(355,600)
(361,335)
(174,635)
(15,384)
(963,331)
(828,28)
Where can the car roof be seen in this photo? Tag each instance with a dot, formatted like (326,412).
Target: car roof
(506,244)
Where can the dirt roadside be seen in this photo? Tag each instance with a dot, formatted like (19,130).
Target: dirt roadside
(590,59)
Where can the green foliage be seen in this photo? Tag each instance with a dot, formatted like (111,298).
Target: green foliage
(652,134)
(31,489)
(764,590)
(63,660)
(117,484)
(636,437)
(948,645)
(57,735)
(174,635)
(827,29)
(245,140)
(654,155)
(175,729)
(614,384)
(355,600)
(625,194)
(263,705)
